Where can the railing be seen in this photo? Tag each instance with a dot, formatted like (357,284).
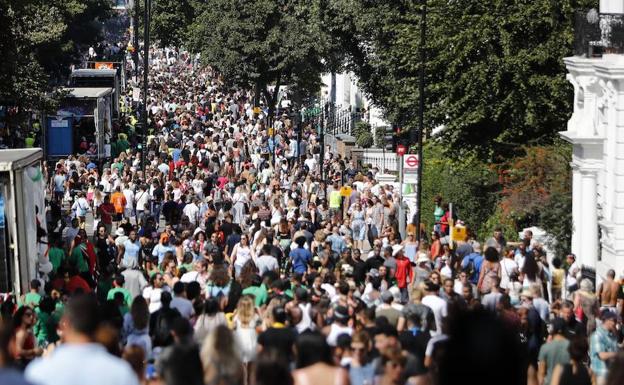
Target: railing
(598,33)
(340,120)
(383,160)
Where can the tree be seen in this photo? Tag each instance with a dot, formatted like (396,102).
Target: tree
(470,184)
(263,42)
(170,20)
(40,40)
(537,192)
(495,77)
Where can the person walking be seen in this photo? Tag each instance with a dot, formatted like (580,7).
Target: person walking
(79,360)
(603,346)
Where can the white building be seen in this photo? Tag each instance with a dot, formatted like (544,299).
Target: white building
(596,131)
(343,90)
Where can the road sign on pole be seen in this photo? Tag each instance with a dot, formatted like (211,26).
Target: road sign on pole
(410,168)
(410,162)
(400,150)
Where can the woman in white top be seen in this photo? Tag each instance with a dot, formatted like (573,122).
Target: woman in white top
(241,253)
(238,205)
(211,317)
(509,267)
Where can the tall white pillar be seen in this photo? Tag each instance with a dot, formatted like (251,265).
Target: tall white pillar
(577,200)
(589,219)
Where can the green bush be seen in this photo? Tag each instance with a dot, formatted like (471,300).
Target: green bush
(470,184)
(363,135)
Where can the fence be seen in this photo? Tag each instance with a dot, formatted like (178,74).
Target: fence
(383,160)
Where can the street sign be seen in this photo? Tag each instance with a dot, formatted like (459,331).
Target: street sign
(410,168)
(410,162)
(400,150)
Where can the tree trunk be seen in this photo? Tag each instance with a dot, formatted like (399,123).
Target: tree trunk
(257,92)
(272,98)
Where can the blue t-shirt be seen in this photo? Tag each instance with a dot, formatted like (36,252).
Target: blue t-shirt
(131,253)
(300,258)
(160,250)
(176,154)
(477,260)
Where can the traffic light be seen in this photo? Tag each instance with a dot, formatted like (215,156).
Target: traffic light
(389,138)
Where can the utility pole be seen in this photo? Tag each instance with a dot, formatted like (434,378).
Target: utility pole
(146,43)
(135,31)
(421,117)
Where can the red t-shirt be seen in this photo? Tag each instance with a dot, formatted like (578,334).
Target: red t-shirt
(106,210)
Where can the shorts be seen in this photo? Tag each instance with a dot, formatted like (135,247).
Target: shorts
(118,216)
(128,212)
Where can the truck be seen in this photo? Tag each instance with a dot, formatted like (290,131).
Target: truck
(82,125)
(99,78)
(22,212)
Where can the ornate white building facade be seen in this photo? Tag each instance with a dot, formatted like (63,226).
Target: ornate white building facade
(596,131)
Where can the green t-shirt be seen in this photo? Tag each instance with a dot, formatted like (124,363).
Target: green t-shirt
(32,299)
(554,353)
(126,294)
(438,213)
(119,166)
(56,257)
(45,328)
(260,294)
(77,259)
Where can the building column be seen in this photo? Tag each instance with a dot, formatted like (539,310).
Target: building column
(576,210)
(588,236)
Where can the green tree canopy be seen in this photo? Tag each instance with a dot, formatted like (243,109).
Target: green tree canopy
(170,20)
(263,42)
(495,75)
(39,41)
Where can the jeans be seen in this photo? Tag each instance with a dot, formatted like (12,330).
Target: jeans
(156,208)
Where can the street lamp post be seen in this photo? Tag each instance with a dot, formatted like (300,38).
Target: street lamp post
(421,117)
(135,31)
(146,43)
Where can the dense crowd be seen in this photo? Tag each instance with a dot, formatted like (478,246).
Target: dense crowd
(229,260)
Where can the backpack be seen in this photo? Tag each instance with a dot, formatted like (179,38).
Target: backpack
(470,268)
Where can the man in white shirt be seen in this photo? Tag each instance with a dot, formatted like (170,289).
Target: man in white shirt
(79,360)
(129,194)
(180,302)
(266,262)
(191,210)
(310,162)
(572,277)
(437,305)
(142,198)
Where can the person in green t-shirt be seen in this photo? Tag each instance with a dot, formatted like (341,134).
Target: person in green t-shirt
(33,298)
(553,353)
(438,212)
(258,289)
(77,257)
(118,283)
(56,254)
(47,323)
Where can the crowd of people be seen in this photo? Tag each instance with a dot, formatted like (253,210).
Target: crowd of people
(226,259)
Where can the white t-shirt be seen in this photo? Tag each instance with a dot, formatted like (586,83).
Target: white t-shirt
(129,194)
(152,295)
(439,308)
(142,197)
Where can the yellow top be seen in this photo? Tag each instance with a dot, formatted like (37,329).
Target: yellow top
(334,199)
